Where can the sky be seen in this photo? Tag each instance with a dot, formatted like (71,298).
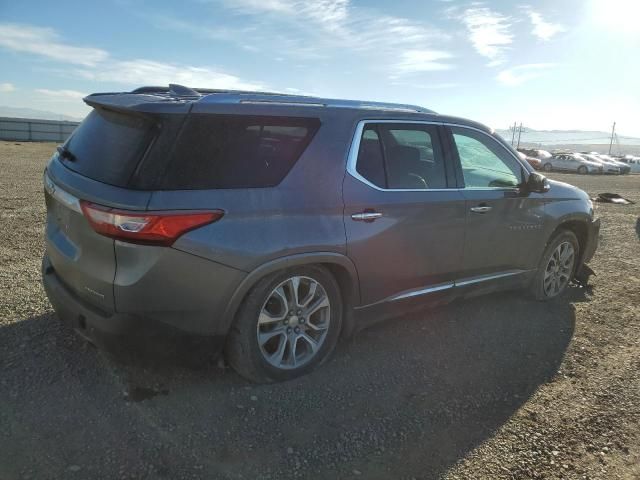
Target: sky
(570,64)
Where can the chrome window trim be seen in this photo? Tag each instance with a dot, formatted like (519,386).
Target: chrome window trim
(62,196)
(352,158)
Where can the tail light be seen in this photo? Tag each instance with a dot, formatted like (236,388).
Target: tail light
(151,228)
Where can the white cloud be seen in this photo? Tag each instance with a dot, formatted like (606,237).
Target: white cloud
(414,61)
(489,32)
(542,29)
(323,29)
(329,13)
(98,65)
(61,94)
(429,85)
(522,73)
(7,87)
(46,42)
(149,72)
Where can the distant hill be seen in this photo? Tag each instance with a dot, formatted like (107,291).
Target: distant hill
(18,112)
(566,137)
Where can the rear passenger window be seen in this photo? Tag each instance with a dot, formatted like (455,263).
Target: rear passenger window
(401,156)
(370,161)
(229,151)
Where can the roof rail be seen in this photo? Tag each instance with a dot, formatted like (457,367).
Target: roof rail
(274,98)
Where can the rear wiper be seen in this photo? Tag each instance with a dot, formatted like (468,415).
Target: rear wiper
(65,153)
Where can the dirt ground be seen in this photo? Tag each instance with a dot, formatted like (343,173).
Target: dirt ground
(497,387)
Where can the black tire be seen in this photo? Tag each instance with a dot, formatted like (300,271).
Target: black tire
(243,351)
(582,170)
(547,167)
(537,285)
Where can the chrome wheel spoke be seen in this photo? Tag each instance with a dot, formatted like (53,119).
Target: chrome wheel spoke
(310,341)
(266,317)
(317,328)
(294,284)
(321,302)
(265,337)
(282,297)
(293,349)
(278,355)
(313,288)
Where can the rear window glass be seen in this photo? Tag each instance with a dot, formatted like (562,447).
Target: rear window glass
(108,146)
(229,151)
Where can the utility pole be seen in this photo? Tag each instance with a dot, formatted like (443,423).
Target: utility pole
(513,134)
(519,133)
(613,132)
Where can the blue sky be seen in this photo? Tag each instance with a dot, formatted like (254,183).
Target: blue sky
(570,64)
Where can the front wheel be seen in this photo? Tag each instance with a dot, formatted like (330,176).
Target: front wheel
(547,167)
(287,325)
(556,267)
(582,170)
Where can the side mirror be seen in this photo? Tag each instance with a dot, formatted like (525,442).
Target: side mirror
(537,183)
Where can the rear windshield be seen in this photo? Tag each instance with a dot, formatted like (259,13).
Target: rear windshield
(233,151)
(108,146)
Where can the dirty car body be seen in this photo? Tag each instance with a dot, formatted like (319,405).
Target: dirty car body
(152,239)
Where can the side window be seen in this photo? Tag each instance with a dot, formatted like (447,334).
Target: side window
(401,156)
(370,160)
(229,151)
(485,164)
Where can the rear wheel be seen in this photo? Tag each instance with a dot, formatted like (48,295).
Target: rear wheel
(547,167)
(556,267)
(582,170)
(287,325)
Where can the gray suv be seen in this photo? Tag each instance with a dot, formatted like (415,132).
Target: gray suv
(268,226)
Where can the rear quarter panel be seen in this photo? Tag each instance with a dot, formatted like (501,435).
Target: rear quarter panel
(304,213)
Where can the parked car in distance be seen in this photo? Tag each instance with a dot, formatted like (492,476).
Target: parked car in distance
(608,166)
(534,162)
(535,153)
(633,162)
(571,162)
(624,168)
(267,226)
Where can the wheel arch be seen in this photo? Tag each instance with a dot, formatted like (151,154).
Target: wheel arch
(579,227)
(340,266)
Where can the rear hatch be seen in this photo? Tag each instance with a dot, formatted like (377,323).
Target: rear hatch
(136,155)
(97,164)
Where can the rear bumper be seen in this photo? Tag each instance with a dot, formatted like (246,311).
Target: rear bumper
(593,233)
(126,334)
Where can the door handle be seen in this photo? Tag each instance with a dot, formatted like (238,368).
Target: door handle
(366,216)
(481,209)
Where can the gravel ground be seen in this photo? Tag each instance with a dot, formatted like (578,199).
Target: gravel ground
(494,387)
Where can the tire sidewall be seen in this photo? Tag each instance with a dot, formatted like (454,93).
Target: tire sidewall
(582,170)
(253,304)
(560,237)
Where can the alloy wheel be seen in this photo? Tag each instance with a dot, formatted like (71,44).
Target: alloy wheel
(293,322)
(559,269)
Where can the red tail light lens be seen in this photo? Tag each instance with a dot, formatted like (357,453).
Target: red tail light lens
(155,228)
